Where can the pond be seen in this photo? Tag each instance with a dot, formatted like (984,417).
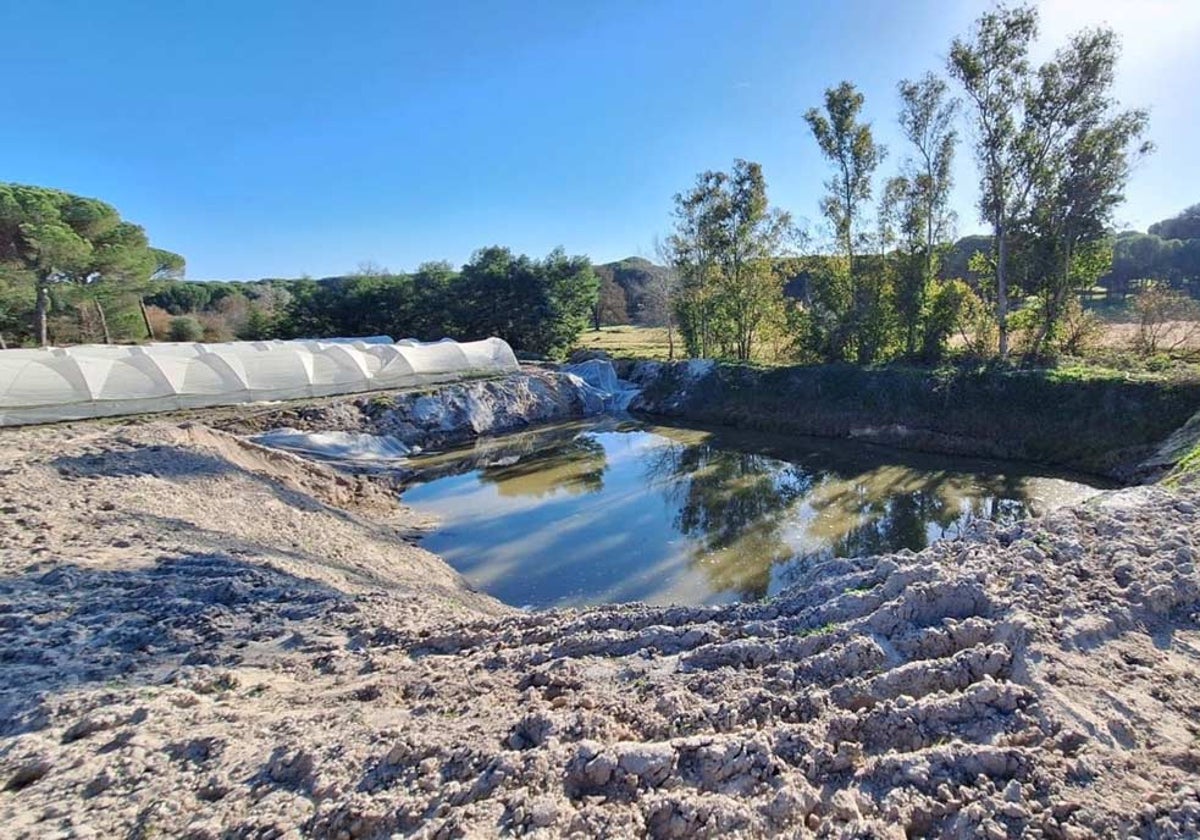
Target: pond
(619,510)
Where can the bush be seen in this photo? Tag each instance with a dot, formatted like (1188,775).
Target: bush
(947,301)
(1080,330)
(185,328)
(1166,319)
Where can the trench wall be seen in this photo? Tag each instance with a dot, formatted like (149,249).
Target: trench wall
(1112,427)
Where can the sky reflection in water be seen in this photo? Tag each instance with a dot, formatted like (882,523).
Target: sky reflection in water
(625,511)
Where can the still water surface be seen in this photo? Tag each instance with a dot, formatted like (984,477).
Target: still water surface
(618,511)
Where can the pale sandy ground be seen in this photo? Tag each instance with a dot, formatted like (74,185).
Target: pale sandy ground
(202,638)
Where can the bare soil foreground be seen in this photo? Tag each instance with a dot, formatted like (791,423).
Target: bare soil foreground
(203,638)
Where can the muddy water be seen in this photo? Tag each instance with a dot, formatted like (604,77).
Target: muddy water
(624,511)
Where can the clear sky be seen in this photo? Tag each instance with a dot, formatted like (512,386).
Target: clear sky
(287,137)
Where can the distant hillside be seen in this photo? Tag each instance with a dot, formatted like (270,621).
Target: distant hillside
(635,277)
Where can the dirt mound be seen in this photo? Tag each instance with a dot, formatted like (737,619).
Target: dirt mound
(443,416)
(238,646)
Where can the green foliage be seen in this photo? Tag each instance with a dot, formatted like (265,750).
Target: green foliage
(1140,256)
(259,325)
(1054,155)
(725,247)
(922,196)
(185,328)
(1083,417)
(16,306)
(854,318)
(1183,226)
(827,326)
(538,306)
(49,237)
(1186,471)
(948,304)
(850,146)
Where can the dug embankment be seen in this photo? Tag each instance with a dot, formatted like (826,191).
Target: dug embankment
(1104,423)
(201,637)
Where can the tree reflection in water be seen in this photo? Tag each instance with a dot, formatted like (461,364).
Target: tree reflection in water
(756,518)
(734,505)
(576,466)
(618,512)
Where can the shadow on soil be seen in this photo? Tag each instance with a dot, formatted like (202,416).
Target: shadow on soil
(72,627)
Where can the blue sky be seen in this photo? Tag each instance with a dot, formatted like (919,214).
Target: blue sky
(270,138)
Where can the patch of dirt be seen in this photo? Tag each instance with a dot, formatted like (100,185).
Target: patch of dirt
(203,638)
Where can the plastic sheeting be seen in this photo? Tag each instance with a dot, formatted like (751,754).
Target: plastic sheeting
(350,447)
(97,380)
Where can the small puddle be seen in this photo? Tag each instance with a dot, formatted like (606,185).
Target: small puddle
(616,511)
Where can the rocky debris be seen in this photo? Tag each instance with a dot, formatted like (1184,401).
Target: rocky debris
(438,417)
(262,656)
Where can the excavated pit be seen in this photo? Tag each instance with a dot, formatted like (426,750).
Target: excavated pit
(205,638)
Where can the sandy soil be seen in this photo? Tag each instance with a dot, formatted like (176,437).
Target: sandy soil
(203,638)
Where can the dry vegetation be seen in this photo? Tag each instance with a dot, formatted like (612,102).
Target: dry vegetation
(630,342)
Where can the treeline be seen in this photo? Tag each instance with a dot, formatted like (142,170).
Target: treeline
(72,270)
(1053,151)
(1139,257)
(538,305)
(1168,253)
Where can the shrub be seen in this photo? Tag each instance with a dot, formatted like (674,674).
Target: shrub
(1079,330)
(185,328)
(946,303)
(1166,319)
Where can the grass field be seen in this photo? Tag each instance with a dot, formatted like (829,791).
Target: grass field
(630,342)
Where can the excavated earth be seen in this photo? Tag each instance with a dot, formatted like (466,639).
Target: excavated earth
(204,638)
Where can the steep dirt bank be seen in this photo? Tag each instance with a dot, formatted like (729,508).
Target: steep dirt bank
(202,638)
(1107,427)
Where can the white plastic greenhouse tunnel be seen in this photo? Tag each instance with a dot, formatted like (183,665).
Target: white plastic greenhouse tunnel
(98,380)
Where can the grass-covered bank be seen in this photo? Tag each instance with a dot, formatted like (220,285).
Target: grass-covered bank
(1097,421)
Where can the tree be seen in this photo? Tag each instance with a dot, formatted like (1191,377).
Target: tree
(662,292)
(694,245)
(16,307)
(851,148)
(259,325)
(751,290)
(50,236)
(1053,154)
(1183,226)
(927,121)
(1075,195)
(993,69)
(725,243)
(538,306)
(567,287)
(849,145)
(433,316)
